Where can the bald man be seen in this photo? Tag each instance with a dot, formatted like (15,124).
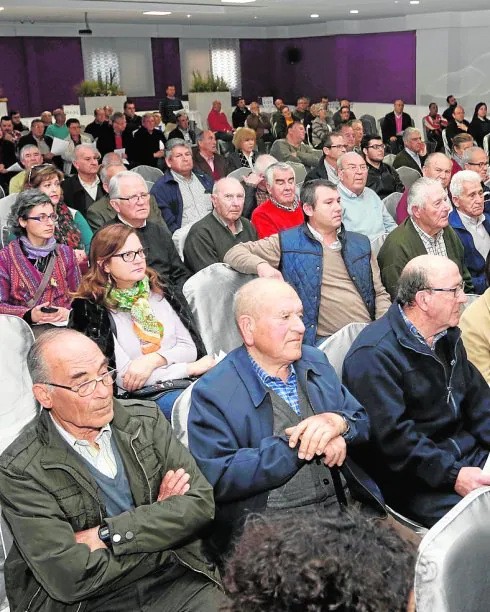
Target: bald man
(84,188)
(268,419)
(212,237)
(428,406)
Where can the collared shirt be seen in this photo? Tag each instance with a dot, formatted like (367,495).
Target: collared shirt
(415,157)
(332,174)
(185,134)
(398,123)
(209,161)
(90,188)
(196,203)
(433,246)
(480,236)
(103,458)
(417,334)
(238,223)
(129,224)
(288,391)
(335,246)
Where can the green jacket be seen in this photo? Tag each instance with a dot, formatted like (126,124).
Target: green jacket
(403,244)
(100,212)
(47,495)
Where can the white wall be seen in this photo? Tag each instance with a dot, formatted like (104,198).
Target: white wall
(194,55)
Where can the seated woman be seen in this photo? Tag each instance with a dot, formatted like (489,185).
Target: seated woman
(145,329)
(319,126)
(461,142)
(480,124)
(36,274)
(244,140)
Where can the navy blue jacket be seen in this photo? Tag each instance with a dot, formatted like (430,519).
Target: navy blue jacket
(302,266)
(169,199)
(230,429)
(425,419)
(473,260)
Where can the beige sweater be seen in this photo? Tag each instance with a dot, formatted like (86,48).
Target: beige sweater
(475,325)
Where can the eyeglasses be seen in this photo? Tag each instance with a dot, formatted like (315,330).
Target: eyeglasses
(454,290)
(337,147)
(87,388)
(38,167)
(129,256)
(377,147)
(356,168)
(43,218)
(480,165)
(137,196)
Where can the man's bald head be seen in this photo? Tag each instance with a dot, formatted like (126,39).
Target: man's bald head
(256,296)
(424,272)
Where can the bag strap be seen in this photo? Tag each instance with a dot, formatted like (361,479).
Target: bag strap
(45,280)
(339,489)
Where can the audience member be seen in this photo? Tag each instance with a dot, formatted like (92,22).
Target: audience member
(430,425)
(83,189)
(336,117)
(324,102)
(133,121)
(169,105)
(480,124)
(210,238)
(37,138)
(394,124)
(280,126)
(158,121)
(471,224)
(118,138)
(434,124)
(205,157)
(255,184)
(301,112)
(358,129)
(457,125)
(244,140)
(7,159)
(75,139)
(293,149)
(382,178)
(47,118)
(127,531)
(461,142)
(29,156)
(333,271)
(148,145)
(268,390)
(183,194)
(320,127)
(363,210)
(426,231)
(260,123)
(98,125)
(347,132)
(476,159)
(344,114)
(58,129)
(240,114)
(219,124)
(109,111)
(282,210)
(36,274)
(415,151)
(7,128)
(333,148)
(182,130)
(17,121)
(452,103)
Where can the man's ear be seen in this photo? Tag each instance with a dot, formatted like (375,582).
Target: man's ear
(43,395)
(115,205)
(246,325)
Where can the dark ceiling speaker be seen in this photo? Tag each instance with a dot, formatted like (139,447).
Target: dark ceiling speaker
(293,55)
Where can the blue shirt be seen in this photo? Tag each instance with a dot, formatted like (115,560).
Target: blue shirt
(288,391)
(416,332)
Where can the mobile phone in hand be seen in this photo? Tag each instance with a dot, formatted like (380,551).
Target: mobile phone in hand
(48,309)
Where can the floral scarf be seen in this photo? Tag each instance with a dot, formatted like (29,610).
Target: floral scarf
(66,232)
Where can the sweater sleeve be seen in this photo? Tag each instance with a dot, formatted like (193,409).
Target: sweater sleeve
(84,229)
(5,289)
(247,256)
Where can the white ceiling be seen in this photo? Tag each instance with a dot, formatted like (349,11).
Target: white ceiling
(214,13)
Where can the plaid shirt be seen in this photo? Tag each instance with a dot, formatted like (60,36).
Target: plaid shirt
(417,334)
(433,246)
(288,391)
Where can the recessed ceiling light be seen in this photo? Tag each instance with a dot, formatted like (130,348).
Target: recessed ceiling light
(189,16)
(314,15)
(157,13)
(2,8)
(414,1)
(255,16)
(354,12)
(237,1)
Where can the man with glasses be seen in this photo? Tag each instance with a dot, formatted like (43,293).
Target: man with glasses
(333,147)
(429,407)
(104,504)
(382,178)
(84,188)
(476,159)
(129,197)
(414,153)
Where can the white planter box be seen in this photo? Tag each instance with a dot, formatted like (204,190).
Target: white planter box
(203,102)
(88,105)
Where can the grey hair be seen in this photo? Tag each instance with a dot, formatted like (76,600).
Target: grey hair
(36,362)
(104,170)
(469,153)
(85,145)
(408,132)
(220,181)
(269,173)
(111,159)
(263,162)
(418,192)
(175,142)
(24,203)
(308,191)
(412,280)
(116,116)
(27,148)
(458,180)
(117,179)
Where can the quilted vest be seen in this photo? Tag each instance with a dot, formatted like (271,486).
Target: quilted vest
(302,266)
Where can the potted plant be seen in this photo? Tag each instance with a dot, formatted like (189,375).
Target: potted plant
(205,90)
(102,92)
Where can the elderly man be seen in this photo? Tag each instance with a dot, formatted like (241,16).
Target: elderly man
(170,105)
(133,121)
(471,224)
(267,420)
(182,130)
(457,124)
(438,167)
(183,194)
(210,238)
(476,159)
(84,188)
(382,178)
(260,123)
(282,210)
(58,129)
(98,125)
(255,184)
(337,118)
(148,145)
(29,156)
(429,407)
(364,212)
(426,231)
(129,197)
(347,132)
(240,114)
(205,157)
(333,148)
(219,124)
(293,149)
(414,153)
(116,138)
(334,271)
(75,139)
(37,138)
(394,124)
(104,504)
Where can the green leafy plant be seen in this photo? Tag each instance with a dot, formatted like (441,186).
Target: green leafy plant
(101,87)
(207,83)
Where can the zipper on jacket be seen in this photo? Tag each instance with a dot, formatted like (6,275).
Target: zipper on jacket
(32,599)
(140,464)
(193,569)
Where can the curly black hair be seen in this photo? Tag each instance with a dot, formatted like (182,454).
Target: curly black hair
(342,563)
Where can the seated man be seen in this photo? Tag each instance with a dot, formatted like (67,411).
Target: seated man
(382,178)
(333,147)
(293,149)
(434,124)
(183,194)
(337,119)
(282,210)
(219,124)
(98,125)
(358,128)
(394,124)
(182,130)
(476,159)
(29,156)
(105,506)
(37,138)
(471,224)
(58,129)
(210,238)
(7,128)
(457,125)
(347,132)
(148,145)
(75,139)
(17,121)
(260,123)
(240,114)
(426,230)
(429,407)
(83,189)
(255,184)
(414,153)
(117,138)
(266,421)
(452,103)
(133,121)
(363,211)
(334,272)
(205,157)
(129,197)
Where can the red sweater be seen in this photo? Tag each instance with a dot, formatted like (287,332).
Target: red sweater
(269,219)
(218,122)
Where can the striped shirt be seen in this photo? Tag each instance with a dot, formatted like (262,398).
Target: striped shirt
(433,245)
(288,391)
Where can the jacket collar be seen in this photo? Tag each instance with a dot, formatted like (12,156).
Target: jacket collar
(456,222)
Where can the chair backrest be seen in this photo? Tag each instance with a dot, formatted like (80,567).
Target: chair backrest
(389,159)
(377,243)
(368,123)
(408,176)
(180,415)
(179,238)
(337,346)
(240,173)
(149,173)
(214,317)
(485,143)
(391,202)
(6,205)
(2,192)
(381,123)
(149,184)
(299,171)
(447,148)
(451,573)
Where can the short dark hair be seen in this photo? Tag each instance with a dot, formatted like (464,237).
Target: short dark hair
(36,121)
(13,112)
(308,191)
(291,125)
(128,101)
(5,118)
(72,121)
(432,103)
(411,281)
(449,97)
(327,139)
(367,138)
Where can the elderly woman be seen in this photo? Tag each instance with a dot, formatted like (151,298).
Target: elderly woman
(461,142)
(144,329)
(319,126)
(260,123)
(480,124)
(36,274)
(244,141)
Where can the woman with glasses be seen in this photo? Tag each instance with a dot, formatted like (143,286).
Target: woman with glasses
(36,274)
(146,331)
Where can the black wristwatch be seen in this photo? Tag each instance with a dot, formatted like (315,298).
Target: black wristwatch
(105,535)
